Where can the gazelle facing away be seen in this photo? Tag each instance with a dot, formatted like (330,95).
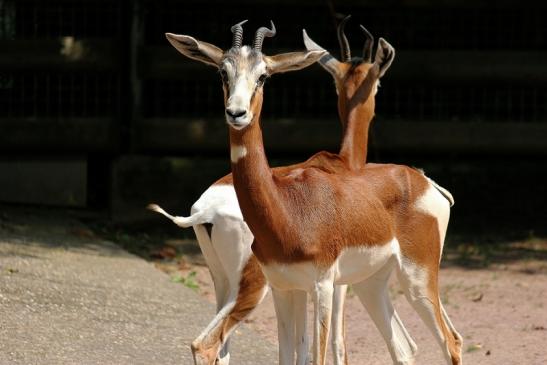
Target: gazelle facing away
(317,226)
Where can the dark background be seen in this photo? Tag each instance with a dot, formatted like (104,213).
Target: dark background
(99,113)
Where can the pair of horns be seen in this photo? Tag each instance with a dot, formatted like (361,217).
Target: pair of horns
(344,44)
(262,32)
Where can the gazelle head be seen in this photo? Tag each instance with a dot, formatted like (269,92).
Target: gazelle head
(356,78)
(243,69)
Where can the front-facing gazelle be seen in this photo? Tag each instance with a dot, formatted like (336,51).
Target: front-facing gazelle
(225,241)
(316,226)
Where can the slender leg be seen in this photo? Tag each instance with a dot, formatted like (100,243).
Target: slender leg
(224,292)
(457,336)
(231,242)
(284,311)
(421,290)
(322,295)
(338,342)
(301,319)
(218,274)
(252,289)
(374,295)
(223,359)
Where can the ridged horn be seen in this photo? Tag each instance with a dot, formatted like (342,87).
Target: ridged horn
(260,34)
(238,34)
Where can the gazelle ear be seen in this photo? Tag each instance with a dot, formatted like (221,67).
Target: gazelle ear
(327,61)
(292,61)
(384,56)
(194,49)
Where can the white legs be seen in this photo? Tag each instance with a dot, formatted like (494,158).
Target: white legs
(301,319)
(374,295)
(421,290)
(292,306)
(284,311)
(239,286)
(338,343)
(322,298)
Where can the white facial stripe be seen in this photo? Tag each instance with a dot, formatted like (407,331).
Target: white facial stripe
(240,95)
(237,153)
(245,50)
(243,69)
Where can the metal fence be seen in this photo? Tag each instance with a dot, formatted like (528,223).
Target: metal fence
(68,59)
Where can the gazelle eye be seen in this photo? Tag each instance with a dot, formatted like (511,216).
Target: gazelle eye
(224,76)
(261,79)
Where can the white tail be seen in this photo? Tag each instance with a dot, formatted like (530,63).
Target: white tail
(184,222)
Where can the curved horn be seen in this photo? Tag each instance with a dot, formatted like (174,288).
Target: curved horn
(367,48)
(328,62)
(344,44)
(260,34)
(238,34)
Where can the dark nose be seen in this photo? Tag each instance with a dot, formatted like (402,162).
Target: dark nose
(235,113)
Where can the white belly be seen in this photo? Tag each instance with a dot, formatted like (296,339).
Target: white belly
(358,263)
(353,265)
(300,276)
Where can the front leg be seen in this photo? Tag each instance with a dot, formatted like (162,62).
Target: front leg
(322,296)
(338,342)
(301,320)
(284,310)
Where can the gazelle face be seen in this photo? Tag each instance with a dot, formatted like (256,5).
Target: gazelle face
(243,71)
(358,74)
(354,75)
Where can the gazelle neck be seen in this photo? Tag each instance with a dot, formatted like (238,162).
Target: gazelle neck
(257,193)
(356,110)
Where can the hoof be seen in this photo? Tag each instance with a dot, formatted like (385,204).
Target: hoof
(225,360)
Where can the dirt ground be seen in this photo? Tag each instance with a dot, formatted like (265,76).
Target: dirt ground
(496,296)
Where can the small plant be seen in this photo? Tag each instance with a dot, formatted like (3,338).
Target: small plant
(473,347)
(188,281)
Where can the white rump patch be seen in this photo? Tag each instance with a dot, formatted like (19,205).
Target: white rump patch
(218,200)
(432,202)
(237,153)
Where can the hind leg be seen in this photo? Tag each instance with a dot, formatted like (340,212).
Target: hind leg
(251,290)
(374,295)
(223,289)
(231,242)
(218,274)
(420,286)
(227,250)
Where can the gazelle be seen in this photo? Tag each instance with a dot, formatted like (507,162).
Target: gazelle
(315,226)
(222,233)
(225,241)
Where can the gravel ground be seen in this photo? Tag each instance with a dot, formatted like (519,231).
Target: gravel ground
(68,297)
(496,298)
